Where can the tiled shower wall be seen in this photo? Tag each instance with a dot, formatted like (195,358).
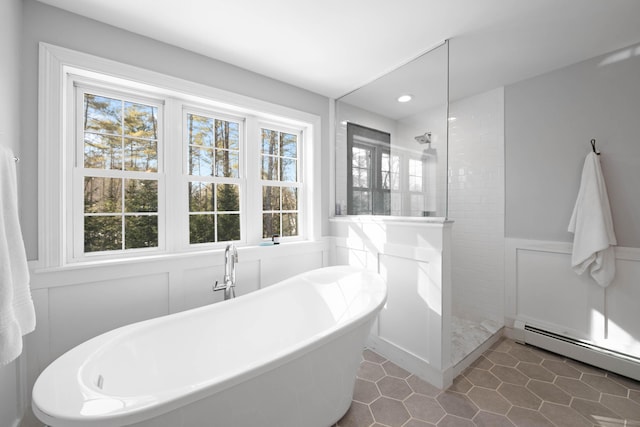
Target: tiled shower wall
(476,204)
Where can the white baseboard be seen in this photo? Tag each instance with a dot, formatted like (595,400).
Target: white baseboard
(412,363)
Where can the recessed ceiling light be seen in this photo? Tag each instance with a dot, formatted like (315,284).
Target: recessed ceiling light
(404,98)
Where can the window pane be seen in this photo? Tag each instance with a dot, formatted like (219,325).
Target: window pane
(361,202)
(102,195)
(270,168)
(228,198)
(289,172)
(102,114)
(102,233)
(228,227)
(201,228)
(141,155)
(141,231)
(140,120)
(227,135)
(227,163)
(270,198)
(270,142)
(360,178)
(200,161)
(102,152)
(288,145)
(360,158)
(395,173)
(270,224)
(200,197)
(289,199)
(385,171)
(289,224)
(200,130)
(417,204)
(141,195)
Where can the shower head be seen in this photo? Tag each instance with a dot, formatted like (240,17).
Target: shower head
(424,139)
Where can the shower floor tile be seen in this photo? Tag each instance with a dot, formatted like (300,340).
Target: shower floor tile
(514,385)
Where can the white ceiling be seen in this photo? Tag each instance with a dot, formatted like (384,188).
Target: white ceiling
(332,47)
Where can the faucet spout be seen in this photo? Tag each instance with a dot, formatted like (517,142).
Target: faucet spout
(229,280)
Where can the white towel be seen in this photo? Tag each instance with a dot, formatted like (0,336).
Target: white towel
(592,226)
(17,314)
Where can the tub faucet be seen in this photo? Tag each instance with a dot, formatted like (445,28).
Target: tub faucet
(229,280)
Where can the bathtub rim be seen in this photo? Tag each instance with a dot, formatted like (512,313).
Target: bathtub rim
(91,347)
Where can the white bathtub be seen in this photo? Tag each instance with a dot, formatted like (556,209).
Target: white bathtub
(282,356)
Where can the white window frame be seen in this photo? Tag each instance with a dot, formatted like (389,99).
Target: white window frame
(241,180)
(58,69)
(75,221)
(299,183)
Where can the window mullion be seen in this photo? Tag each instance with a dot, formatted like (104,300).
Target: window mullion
(253,183)
(171,195)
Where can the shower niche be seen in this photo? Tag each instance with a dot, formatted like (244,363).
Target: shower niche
(392,182)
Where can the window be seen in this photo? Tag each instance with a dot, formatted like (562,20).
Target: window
(137,165)
(119,144)
(213,146)
(370,176)
(280,183)
(375,185)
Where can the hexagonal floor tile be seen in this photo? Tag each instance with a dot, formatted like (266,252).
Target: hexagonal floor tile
(457,404)
(358,415)
(365,391)
(370,371)
(487,419)
(393,387)
(390,412)
(489,400)
(535,371)
(424,408)
(508,374)
(549,392)
(482,378)
(519,396)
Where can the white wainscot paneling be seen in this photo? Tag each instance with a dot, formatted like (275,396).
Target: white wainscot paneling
(549,292)
(543,291)
(277,268)
(411,304)
(80,312)
(623,306)
(413,328)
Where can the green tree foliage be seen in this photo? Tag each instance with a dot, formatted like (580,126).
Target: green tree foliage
(119,135)
(214,150)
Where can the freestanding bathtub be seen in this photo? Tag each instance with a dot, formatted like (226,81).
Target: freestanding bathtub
(286,355)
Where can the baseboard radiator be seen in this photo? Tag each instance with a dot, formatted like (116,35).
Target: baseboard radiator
(620,363)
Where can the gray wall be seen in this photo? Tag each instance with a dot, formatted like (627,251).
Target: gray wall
(58,27)
(10,18)
(549,121)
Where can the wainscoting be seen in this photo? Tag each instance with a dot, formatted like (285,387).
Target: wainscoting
(413,255)
(542,291)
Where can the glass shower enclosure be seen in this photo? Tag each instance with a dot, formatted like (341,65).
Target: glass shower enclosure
(391,142)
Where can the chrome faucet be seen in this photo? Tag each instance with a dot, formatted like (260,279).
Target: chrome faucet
(229,280)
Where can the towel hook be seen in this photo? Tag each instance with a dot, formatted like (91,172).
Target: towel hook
(593,146)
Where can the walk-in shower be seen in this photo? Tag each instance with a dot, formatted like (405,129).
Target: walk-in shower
(393,174)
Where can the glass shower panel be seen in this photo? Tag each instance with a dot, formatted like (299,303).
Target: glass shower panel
(391,156)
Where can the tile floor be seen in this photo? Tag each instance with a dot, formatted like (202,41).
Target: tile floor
(509,385)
